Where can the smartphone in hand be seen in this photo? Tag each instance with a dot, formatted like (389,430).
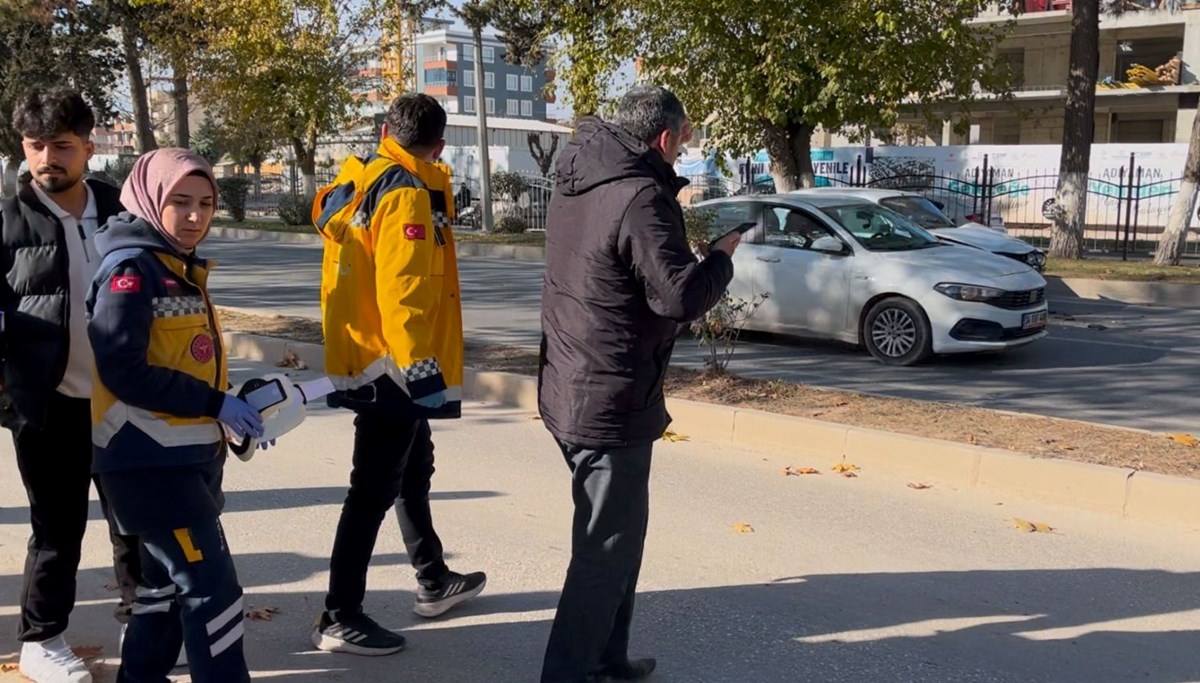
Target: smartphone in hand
(741,229)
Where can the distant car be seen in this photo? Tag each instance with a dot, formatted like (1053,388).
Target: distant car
(840,267)
(929,215)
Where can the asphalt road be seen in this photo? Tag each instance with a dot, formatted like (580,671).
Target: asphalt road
(1139,371)
(842,580)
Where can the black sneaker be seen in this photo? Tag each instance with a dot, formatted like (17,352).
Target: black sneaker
(455,588)
(633,670)
(356,635)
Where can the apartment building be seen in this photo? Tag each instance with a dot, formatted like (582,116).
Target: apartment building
(444,62)
(1038,49)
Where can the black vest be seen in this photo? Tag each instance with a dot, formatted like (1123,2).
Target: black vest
(35,298)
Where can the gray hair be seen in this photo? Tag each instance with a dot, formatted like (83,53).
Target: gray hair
(648,110)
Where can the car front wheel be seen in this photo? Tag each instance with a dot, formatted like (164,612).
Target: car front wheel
(896,332)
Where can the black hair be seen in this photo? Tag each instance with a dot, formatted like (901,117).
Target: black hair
(47,112)
(416,120)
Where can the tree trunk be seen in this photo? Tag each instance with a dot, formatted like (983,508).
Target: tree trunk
(306,159)
(1174,238)
(183,133)
(137,91)
(485,165)
(790,149)
(1079,124)
(10,177)
(258,180)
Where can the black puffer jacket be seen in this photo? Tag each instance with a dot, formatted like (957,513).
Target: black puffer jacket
(620,279)
(34,298)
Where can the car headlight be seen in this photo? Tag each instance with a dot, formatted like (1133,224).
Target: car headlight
(1036,258)
(969,292)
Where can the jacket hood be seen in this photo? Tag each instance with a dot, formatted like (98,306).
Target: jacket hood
(127,231)
(601,153)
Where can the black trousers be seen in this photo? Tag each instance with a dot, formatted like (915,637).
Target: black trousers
(55,462)
(611,490)
(392,465)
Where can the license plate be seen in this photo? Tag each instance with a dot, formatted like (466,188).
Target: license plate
(1031,321)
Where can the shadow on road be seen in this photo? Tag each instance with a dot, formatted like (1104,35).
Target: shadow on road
(1065,626)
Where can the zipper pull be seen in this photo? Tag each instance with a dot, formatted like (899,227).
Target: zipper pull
(83,236)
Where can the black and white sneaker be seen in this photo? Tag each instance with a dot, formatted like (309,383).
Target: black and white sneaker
(455,589)
(355,634)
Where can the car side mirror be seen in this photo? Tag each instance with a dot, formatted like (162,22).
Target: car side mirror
(829,245)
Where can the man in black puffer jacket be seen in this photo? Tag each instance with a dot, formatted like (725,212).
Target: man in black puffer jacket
(47,259)
(620,280)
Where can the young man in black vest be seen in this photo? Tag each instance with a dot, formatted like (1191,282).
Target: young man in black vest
(47,261)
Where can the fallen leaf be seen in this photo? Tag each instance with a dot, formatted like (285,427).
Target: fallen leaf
(261,613)
(673,437)
(849,475)
(743,528)
(536,418)
(844,468)
(86,652)
(971,438)
(111,586)
(291,360)
(841,404)
(9,667)
(797,471)
(1032,527)
(1185,439)
(920,486)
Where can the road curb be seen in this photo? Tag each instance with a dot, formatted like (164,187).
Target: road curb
(1124,292)
(1115,291)
(1111,490)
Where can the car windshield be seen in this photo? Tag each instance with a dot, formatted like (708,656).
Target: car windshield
(920,211)
(880,229)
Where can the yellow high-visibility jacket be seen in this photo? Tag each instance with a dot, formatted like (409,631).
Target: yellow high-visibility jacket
(389,283)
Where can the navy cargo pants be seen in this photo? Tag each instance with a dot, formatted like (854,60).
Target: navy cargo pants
(189,594)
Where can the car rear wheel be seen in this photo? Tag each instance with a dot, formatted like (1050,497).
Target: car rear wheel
(896,332)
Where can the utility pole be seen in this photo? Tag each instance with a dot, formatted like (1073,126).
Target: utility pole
(485,171)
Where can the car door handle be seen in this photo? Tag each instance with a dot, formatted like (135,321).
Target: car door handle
(767,259)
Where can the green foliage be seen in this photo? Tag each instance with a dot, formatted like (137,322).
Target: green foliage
(233,193)
(117,172)
(54,42)
(208,142)
(510,224)
(509,185)
(767,74)
(295,209)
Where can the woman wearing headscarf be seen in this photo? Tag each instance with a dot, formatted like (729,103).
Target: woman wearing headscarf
(161,419)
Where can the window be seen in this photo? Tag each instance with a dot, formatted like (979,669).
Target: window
(491,105)
(489,80)
(441,77)
(526,83)
(920,211)
(469,104)
(468,52)
(526,108)
(792,229)
(469,78)
(510,83)
(514,107)
(451,106)
(731,215)
(880,229)
(489,54)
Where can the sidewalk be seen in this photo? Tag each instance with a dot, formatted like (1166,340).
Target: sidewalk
(842,580)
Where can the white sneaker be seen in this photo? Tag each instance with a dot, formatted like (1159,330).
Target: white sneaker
(51,661)
(180,661)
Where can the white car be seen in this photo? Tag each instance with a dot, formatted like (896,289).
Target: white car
(838,267)
(930,216)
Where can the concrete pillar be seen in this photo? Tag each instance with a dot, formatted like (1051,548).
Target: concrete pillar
(1191,50)
(1184,120)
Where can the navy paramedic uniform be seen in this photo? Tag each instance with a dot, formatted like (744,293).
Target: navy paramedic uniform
(160,450)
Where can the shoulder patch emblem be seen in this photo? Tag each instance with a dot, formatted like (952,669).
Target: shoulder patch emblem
(202,348)
(414,231)
(125,284)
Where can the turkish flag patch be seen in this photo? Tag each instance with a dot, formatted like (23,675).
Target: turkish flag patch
(414,231)
(202,348)
(125,284)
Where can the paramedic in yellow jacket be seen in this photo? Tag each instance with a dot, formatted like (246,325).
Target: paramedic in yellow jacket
(158,407)
(394,350)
